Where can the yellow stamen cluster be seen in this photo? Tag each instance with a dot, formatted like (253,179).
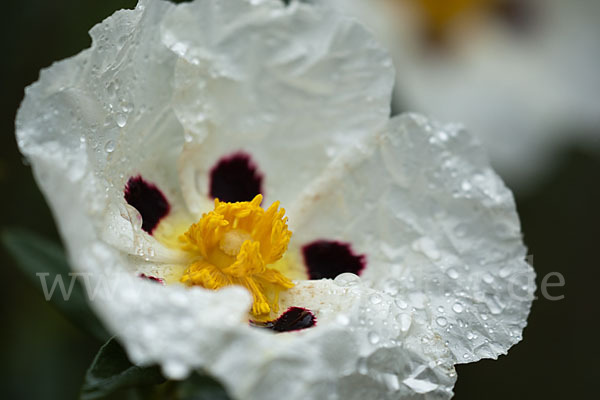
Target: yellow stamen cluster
(234,244)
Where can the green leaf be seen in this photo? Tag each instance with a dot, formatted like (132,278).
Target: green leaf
(45,265)
(112,371)
(200,387)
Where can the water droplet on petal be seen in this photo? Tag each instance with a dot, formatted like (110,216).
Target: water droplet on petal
(488,278)
(374,337)
(405,321)
(391,287)
(457,308)
(121,119)
(109,147)
(375,298)
(347,279)
(401,304)
(441,321)
(452,273)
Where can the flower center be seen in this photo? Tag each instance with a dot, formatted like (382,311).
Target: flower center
(233,245)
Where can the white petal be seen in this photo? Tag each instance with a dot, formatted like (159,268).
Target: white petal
(439,230)
(289,85)
(93,121)
(356,350)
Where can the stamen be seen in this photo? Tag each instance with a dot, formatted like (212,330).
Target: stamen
(233,245)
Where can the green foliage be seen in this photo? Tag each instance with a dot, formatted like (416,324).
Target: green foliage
(45,265)
(113,376)
(200,387)
(112,371)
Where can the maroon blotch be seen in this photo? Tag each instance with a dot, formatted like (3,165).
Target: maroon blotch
(148,200)
(152,278)
(328,259)
(294,319)
(235,178)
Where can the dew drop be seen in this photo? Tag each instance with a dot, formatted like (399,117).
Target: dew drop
(440,309)
(441,321)
(347,279)
(452,273)
(374,337)
(401,304)
(504,272)
(466,186)
(109,147)
(458,308)
(391,287)
(405,321)
(121,119)
(375,298)
(488,278)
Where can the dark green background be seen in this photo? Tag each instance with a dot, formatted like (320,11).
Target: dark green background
(44,357)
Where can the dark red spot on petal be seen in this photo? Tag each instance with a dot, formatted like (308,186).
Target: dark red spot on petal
(148,200)
(235,178)
(328,259)
(294,319)
(152,278)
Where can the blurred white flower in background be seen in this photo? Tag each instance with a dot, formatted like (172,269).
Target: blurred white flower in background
(523,74)
(173,106)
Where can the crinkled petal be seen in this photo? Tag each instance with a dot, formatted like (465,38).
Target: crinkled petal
(439,230)
(102,117)
(291,86)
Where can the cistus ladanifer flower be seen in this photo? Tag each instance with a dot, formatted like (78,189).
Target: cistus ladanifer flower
(227,175)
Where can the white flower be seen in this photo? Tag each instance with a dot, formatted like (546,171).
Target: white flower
(521,73)
(132,138)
